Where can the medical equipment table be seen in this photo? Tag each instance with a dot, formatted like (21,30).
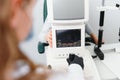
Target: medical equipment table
(109,68)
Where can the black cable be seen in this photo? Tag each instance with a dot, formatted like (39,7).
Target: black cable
(119,34)
(100,36)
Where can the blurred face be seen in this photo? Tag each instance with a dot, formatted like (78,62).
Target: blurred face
(21,20)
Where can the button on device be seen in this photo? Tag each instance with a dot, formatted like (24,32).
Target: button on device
(59,55)
(66,54)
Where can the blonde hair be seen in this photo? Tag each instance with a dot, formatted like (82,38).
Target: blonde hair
(9,50)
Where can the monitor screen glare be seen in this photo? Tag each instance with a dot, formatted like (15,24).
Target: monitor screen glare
(68,9)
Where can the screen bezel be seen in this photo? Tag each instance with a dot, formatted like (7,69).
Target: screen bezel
(51,15)
(65,27)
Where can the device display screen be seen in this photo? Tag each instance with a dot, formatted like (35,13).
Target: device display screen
(68,9)
(68,38)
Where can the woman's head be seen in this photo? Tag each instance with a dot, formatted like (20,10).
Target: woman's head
(15,25)
(21,20)
(19,13)
(15,22)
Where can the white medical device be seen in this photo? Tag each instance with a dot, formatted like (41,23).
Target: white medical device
(67,18)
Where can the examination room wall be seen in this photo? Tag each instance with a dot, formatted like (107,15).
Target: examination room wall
(112,20)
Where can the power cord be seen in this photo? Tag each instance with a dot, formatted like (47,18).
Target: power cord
(119,34)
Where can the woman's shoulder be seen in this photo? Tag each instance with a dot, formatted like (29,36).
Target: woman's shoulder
(21,68)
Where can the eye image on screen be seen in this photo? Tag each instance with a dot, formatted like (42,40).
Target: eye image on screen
(68,38)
